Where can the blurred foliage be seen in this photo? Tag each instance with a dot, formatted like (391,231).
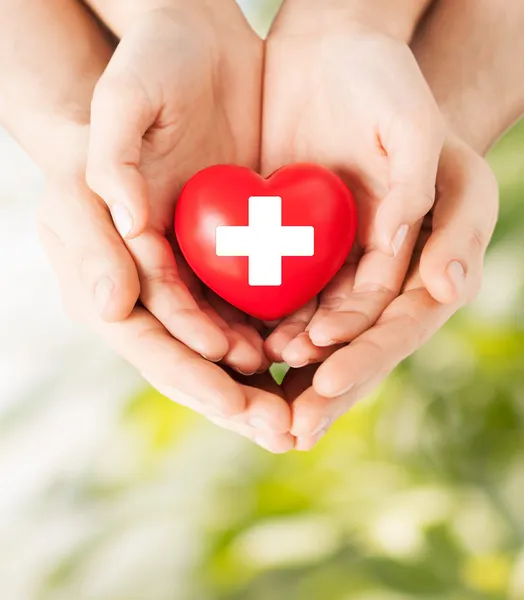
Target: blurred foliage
(417,493)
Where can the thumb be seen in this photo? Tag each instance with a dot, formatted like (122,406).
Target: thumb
(463,221)
(413,146)
(120,116)
(97,275)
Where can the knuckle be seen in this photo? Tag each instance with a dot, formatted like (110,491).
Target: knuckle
(165,275)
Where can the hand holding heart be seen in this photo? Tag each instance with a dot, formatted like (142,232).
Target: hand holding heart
(179,96)
(158,117)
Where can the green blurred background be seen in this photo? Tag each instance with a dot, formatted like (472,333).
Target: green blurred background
(417,493)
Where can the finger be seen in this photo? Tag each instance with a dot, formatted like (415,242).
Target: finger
(403,327)
(463,222)
(296,381)
(275,443)
(267,408)
(147,345)
(265,420)
(166,296)
(413,145)
(246,346)
(301,352)
(287,330)
(257,341)
(351,373)
(308,426)
(79,224)
(121,113)
(310,417)
(356,297)
(314,415)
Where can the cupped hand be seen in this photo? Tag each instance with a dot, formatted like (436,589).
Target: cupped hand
(456,232)
(181,92)
(79,237)
(355,101)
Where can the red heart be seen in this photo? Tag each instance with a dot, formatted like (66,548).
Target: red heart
(226,196)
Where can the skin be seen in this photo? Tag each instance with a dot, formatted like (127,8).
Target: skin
(382,132)
(459,227)
(156,123)
(144,172)
(76,227)
(175,369)
(482,93)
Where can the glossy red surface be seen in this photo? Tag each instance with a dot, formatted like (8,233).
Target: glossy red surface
(311,196)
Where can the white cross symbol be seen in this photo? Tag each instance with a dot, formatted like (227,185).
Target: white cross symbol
(265,241)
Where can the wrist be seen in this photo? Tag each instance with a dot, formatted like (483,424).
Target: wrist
(473,74)
(473,122)
(60,148)
(397,19)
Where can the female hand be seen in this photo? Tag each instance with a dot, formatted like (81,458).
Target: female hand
(181,92)
(353,99)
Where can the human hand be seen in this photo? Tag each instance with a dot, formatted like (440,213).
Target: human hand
(457,230)
(78,235)
(354,100)
(181,92)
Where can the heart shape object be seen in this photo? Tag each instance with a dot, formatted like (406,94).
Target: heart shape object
(266,246)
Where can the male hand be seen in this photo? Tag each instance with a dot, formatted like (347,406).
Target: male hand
(458,230)
(89,255)
(72,222)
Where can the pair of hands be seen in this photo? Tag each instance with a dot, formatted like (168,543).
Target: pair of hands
(183,91)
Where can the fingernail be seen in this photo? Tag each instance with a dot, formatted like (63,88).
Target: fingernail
(457,275)
(399,239)
(300,366)
(246,374)
(212,360)
(259,423)
(122,219)
(318,339)
(103,292)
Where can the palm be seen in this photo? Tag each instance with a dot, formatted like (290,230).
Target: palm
(460,225)
(324,117)
(196,100)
